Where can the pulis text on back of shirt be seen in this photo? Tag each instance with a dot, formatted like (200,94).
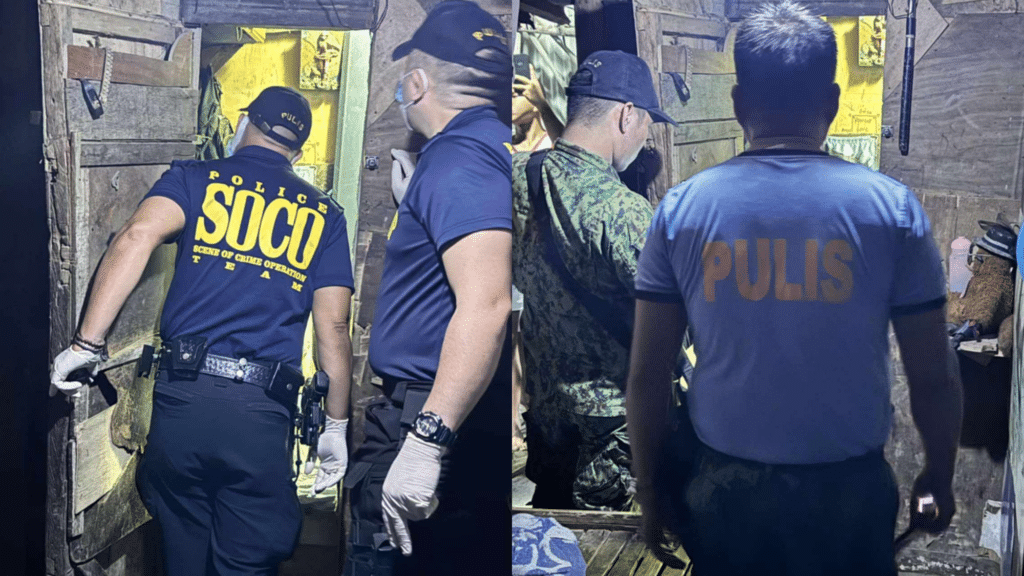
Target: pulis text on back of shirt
(721,260)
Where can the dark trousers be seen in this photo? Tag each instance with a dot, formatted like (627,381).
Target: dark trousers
(580,464)
(216,475)
(470,531)
(744,517)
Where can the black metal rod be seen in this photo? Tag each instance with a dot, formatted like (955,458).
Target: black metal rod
(908,78)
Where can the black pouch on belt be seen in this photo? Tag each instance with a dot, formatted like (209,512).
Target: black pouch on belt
(184,356)
(285,384)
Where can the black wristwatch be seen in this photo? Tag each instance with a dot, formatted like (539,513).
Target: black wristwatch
(430,428)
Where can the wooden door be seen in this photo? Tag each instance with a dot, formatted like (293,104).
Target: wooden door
(689,38)
(98,170)
(385,130)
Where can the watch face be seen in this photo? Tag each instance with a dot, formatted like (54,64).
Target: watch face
(426,426)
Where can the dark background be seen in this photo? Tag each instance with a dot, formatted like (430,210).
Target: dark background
(24,294)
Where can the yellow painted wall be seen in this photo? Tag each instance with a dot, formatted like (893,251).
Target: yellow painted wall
(275,62)
(860,102)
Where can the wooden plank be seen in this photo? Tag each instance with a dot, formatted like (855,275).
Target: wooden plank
(629,558)
(952,8)
(133,152)
(587,519)
(648,41)
(673,59)
(590,542)
(135,113)
(702,131)
(98,462)
(710,98)
(87,63)
(607,553)
(675,23)
(736,9)
(974,208)
(54,35)
(117,26)
(314,14)
(115,516)
(968,111)
(113,194)
(696,8)
(930,25)
(942,211)
(690,159)
(648,565)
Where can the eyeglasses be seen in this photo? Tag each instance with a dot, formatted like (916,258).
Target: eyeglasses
(973,257)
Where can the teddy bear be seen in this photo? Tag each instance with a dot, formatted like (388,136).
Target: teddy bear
(988,300)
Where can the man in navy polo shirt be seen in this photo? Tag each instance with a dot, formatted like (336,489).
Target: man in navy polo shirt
(431,479)
(258,249)
(789,265)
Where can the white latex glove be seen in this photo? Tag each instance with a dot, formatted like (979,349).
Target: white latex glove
(401,172)
(69,361)
(410,489)
(333,453)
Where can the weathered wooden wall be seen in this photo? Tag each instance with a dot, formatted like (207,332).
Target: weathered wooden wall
(316,14)
(99,170)
(968,109)
(965,165)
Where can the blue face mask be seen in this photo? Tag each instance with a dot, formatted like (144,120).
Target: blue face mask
(403,106)
(229,150)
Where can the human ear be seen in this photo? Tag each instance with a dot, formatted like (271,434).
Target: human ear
(625,117)
(417,84)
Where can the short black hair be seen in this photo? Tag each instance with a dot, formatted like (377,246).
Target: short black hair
(785,58)
(585,110)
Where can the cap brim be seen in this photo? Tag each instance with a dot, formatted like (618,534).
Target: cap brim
(659,115)
(402,50)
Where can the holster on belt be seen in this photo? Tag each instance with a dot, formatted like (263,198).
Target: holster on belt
(410,396)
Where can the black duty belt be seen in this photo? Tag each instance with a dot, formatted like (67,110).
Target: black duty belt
(240,370)
(398,390)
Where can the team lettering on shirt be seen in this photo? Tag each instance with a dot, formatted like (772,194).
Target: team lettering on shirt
(721,261)
(226,206)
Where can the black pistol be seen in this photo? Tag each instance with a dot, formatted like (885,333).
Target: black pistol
(312,416)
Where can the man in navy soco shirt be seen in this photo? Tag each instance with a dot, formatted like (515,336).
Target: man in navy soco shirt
(258,250)
(789,265)
(439,325)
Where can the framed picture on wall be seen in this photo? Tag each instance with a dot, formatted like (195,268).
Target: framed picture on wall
(320,59)
(871,39)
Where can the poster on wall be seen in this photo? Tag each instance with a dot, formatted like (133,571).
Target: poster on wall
(320,59)
(871,39)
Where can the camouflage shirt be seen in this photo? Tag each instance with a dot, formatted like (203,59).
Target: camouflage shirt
(570,360)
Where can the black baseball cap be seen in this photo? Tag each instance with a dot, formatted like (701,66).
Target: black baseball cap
(616,75)
(454,31)
(285,107)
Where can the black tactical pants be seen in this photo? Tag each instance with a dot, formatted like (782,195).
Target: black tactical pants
(817,520)
(217,477)
(470,531)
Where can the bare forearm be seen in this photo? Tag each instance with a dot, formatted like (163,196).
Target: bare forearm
(648,398)
(334,352)
(938,414)
(118,274)
(469,357)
